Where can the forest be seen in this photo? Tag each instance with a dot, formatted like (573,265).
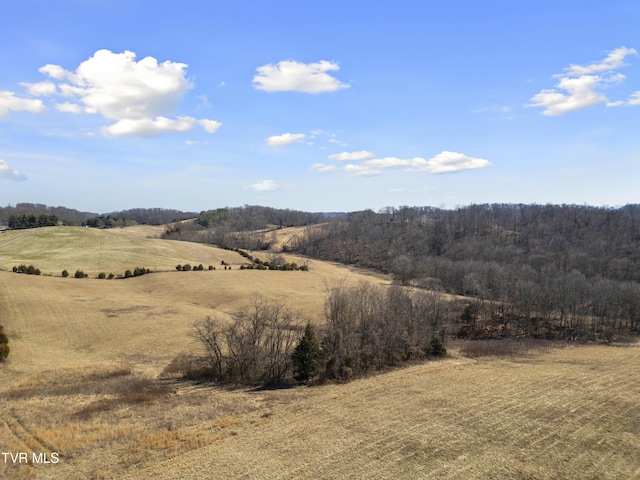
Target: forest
(568,272)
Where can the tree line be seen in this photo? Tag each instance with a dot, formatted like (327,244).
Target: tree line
(72,217)
(32,221)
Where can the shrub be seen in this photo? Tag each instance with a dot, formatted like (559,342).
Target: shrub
(179,268)
(80,274)
(186,267)
(4,345)
(110,276)
(102,275)
(211,267)
(65,273)
(436,348)
(128,274)
(30,270)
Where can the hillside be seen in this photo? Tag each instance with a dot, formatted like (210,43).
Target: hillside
(88,378)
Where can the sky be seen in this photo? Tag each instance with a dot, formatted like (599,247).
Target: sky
(107,105)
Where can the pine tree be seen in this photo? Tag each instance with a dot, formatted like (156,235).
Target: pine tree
(307,356)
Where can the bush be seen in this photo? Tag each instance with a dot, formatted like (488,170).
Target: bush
(436,348)
(179,268)
(30,270)
(102,275)
(65,274)
(80,274)
(128,274)
(186,267)
(4,345)
(111,275)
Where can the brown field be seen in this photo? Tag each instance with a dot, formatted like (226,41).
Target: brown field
(85,379)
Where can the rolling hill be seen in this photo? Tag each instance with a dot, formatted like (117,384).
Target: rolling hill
(87,378)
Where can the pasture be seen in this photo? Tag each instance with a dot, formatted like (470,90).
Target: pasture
(86,378)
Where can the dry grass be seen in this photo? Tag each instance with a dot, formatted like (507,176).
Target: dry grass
(86,354)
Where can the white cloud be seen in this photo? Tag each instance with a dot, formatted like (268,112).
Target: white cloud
(292,76)
(40,89)
(210,126)
(68,107)
(284,139)
(613,61)
(352,156)
(338,142)
(577,87)
(322,168)
(389,162)
(8,173)
(635,99)
(136,95)
(10,103)
(449,162)
(360,171)
(194,142)
(54,71)
(148,126)
(264,186)
(444,162)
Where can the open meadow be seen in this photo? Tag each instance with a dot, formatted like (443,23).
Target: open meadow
(88,379)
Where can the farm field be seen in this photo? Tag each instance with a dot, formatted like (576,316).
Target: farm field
(87,378)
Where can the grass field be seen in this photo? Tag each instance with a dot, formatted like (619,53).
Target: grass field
(84,379)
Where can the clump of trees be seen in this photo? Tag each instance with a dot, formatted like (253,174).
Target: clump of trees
(187,267)
(276,262)
(32,220)
(368,328)
(138,271)
(4,345)
(255,347)
(30,269)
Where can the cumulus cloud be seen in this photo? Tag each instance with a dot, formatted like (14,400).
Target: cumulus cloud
(292,76)
(40,89)
(352,156)
(360,171)
(444,162)
(210,126)
(136,95)
(68,107)
(322,168)
(264,186)
(449,162)
(149,126)
(10,103)
(635,99)
(577,87)
(613,61)
(8,173)
(285,139)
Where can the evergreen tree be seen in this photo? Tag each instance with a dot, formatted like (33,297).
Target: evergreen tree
(307,356)
(4,345)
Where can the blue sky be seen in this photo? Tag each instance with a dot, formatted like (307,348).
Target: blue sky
(318,106)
